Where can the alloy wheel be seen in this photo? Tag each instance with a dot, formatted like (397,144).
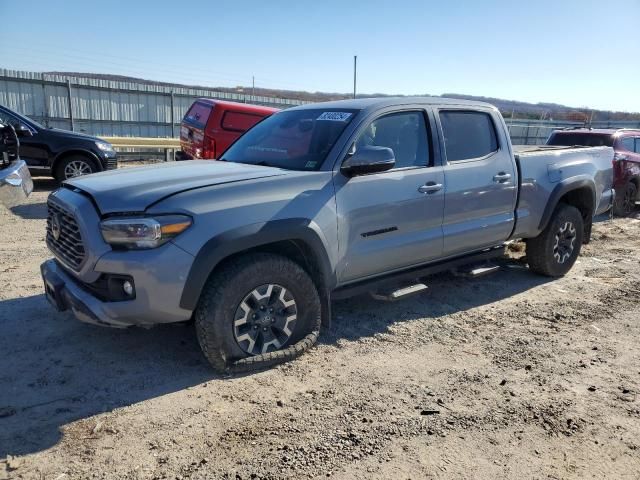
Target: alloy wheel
(265,319)
(628,202)
(564,242)
(76,168)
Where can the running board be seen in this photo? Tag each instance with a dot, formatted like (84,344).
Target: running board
(403,292)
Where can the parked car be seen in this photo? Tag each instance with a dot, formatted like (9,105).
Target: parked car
(316,202)
(59,153)
(210,126)
(15,180)
(626,166)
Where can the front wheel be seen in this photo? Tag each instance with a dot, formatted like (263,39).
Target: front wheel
(74,166)
(625,201)
(556,249)
(258,311)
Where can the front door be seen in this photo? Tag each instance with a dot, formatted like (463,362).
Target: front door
(480,178)
(31,150)
(393,219)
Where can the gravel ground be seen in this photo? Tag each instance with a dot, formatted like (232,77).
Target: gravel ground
(506,376)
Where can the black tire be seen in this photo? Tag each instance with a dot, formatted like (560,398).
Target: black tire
(555,250)
(227,295)
(81,164)
(625,201)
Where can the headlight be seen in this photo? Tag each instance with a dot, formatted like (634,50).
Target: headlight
(143,232)
(104,146)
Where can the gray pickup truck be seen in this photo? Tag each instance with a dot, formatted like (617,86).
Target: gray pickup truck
(314,203)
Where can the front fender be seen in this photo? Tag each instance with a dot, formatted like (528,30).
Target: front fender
(251,236)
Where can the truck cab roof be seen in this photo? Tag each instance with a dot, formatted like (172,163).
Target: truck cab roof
(382,102)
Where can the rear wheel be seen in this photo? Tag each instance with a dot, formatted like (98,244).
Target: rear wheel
(74,166)
(625,201)
(258,311)
(555,250)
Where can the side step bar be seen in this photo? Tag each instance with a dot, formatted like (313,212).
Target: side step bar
(403,292)
(410,275)
(476,271)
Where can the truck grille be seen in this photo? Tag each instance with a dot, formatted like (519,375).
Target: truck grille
(63,236)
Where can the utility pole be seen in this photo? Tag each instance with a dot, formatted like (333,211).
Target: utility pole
(253,88)
(355,70)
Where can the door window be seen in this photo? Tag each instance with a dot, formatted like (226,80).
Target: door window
(637,144)
(238,121)
(627,144)
(8,119)
(468,135)
(405,133)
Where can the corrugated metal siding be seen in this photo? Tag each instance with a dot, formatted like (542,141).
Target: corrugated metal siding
(107,107)
(132,109)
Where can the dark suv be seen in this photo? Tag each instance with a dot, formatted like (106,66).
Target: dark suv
(626,164)
(59,153)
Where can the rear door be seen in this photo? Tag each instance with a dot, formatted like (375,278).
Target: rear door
(391,220)
(480,179)
(192,128)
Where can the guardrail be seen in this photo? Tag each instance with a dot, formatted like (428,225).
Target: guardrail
(144,147)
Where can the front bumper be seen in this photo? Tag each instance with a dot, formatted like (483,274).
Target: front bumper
(158,287)
(15,184)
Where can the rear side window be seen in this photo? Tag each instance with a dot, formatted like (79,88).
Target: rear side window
(468,135)
(198,114)
(238,121)
(627,144)
(637,144)
(570,139)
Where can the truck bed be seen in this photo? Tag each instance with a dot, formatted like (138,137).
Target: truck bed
(543,170)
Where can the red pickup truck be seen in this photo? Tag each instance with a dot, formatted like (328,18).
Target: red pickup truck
(210,126)
(626,164)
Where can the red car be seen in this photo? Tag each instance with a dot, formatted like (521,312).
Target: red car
(210,126)
(626,164)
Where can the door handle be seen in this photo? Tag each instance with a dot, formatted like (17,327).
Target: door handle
(430,187)
(501,177)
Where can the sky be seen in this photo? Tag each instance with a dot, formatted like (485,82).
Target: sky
(577,53)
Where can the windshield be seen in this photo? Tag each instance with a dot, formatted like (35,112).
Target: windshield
(292,139)
(586,139)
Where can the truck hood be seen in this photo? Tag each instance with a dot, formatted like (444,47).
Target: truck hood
(135,189)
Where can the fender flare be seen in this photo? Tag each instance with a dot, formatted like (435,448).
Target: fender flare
(561,189)
(246,237)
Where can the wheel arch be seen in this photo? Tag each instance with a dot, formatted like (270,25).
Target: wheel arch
(579,193)
(293,238)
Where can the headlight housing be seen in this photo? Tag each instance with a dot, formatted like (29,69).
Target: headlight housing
(143,232)
(104,146)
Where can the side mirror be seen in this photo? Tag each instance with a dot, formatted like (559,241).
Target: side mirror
(368,159)
(22,130)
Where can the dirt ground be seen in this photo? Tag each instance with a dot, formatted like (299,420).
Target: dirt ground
(506,376)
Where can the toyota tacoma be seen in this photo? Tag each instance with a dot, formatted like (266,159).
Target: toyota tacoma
(314,203)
